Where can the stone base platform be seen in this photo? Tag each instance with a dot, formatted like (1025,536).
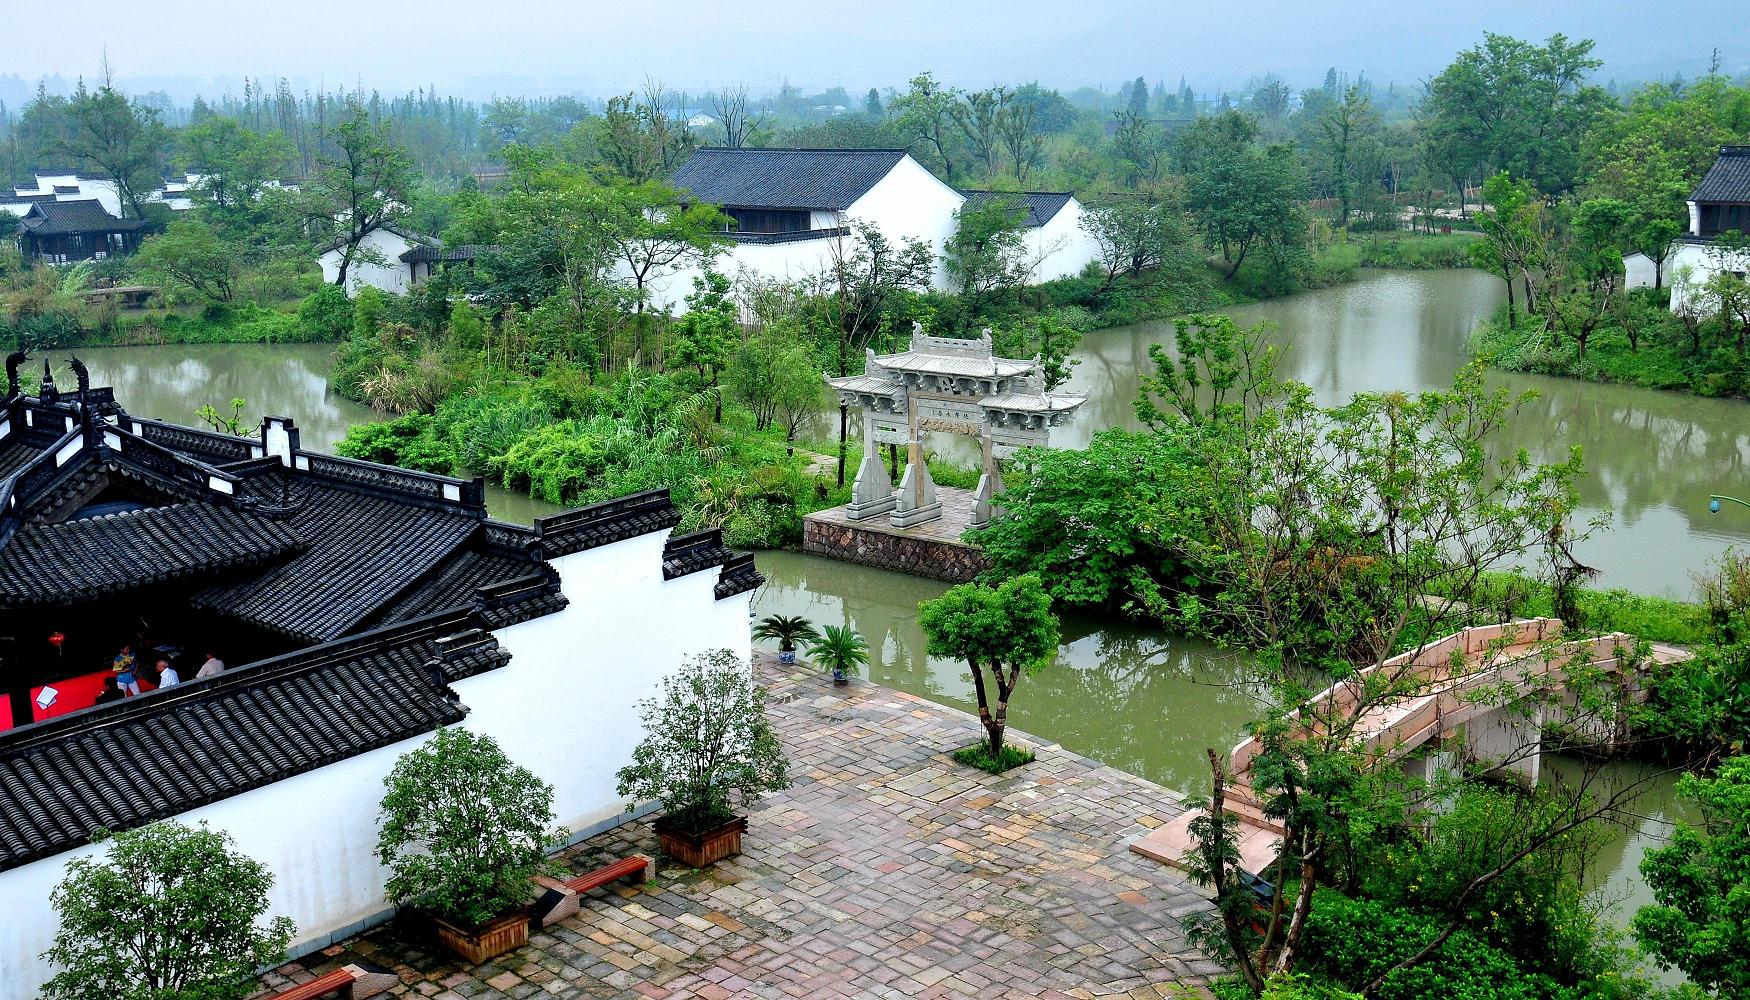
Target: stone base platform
(933,550)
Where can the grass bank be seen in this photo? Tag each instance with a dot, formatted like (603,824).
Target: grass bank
(1340,260)
(1641,344)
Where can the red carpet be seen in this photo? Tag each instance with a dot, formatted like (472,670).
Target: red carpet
(71,695)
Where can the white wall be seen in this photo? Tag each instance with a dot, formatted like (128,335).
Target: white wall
(1061,246)
(1690,266)
(910,203)
(1639,271)
(391,276)
(563,707)
(317,833)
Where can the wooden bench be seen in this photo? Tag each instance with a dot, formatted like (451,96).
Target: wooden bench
(354,982)
(561,899)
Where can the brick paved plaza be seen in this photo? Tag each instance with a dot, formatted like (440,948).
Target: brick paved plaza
(887,870)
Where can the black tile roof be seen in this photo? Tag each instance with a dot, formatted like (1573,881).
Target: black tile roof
(1728,180)
(90,557)
(606,522)
(824,179)
(428,254)
(459,581)
(125,764)
(15,454)
(1041,206)
(58,218)
(738,576)
(364,550)
(686,554)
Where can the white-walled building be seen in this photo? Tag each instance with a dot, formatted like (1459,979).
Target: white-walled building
(1057,245)
(362,608)
(1719,204)
(72,186)
(388,264)
(795,212)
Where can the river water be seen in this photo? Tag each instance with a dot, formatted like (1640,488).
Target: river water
(1132,696)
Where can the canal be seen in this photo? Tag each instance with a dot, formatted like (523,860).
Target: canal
(1128,695)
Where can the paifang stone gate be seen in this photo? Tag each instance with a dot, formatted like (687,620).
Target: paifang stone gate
(952,385)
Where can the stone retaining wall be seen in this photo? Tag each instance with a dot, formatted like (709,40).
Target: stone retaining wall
(933,558)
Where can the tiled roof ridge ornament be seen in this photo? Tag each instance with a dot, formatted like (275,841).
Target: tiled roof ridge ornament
(48,393)
(13,361)
(84,380)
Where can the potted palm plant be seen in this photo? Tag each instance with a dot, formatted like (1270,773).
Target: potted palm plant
(786,631)
(840,650)
(706,738)
(463,831)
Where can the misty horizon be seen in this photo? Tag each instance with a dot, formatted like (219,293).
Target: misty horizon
(584,51)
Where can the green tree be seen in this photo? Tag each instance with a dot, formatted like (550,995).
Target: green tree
(1517,237)
(169,912)
(1088,522)
(706,737)
(363,184)
(1006,630)
(925,113)
(1700,920)
(704,337)
(1345,126)
(1136,97)
(190,254)
(638,139)
(986,257)
(1244,198)
(1584,287)
(1136,237)
(235,165)
(1519,107)
(776,376)
(650,229)
(464,828)
(106,132)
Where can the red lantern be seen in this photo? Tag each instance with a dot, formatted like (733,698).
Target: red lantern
(55,640)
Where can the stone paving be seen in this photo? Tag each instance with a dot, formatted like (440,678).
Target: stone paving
(887,870)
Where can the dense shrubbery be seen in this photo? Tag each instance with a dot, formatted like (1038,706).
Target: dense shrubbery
(1352,941)
(1639,341)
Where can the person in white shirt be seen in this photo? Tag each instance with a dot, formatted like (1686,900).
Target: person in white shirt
(167,675)
(212,668)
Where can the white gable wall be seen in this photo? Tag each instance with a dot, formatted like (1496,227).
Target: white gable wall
(1061,247)
(1690,266)
(910,203)
(391,276)
(564,705)
(317,833)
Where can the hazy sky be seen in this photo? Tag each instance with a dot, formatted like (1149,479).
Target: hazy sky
(482,46)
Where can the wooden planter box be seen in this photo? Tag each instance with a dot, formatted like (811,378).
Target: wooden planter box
(487,941)
(703,848)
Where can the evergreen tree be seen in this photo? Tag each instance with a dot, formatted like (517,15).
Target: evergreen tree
(1137,98)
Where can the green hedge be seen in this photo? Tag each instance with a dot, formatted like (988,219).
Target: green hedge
(1351,941)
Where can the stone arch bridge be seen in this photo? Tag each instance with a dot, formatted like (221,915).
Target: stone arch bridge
(1465,701)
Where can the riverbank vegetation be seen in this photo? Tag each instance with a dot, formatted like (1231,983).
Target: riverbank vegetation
(1559,243)
(1322,541)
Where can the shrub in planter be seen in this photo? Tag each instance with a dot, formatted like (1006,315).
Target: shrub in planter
(463,831)
(786,631)
(840,650)
(706,739)
(169,911)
